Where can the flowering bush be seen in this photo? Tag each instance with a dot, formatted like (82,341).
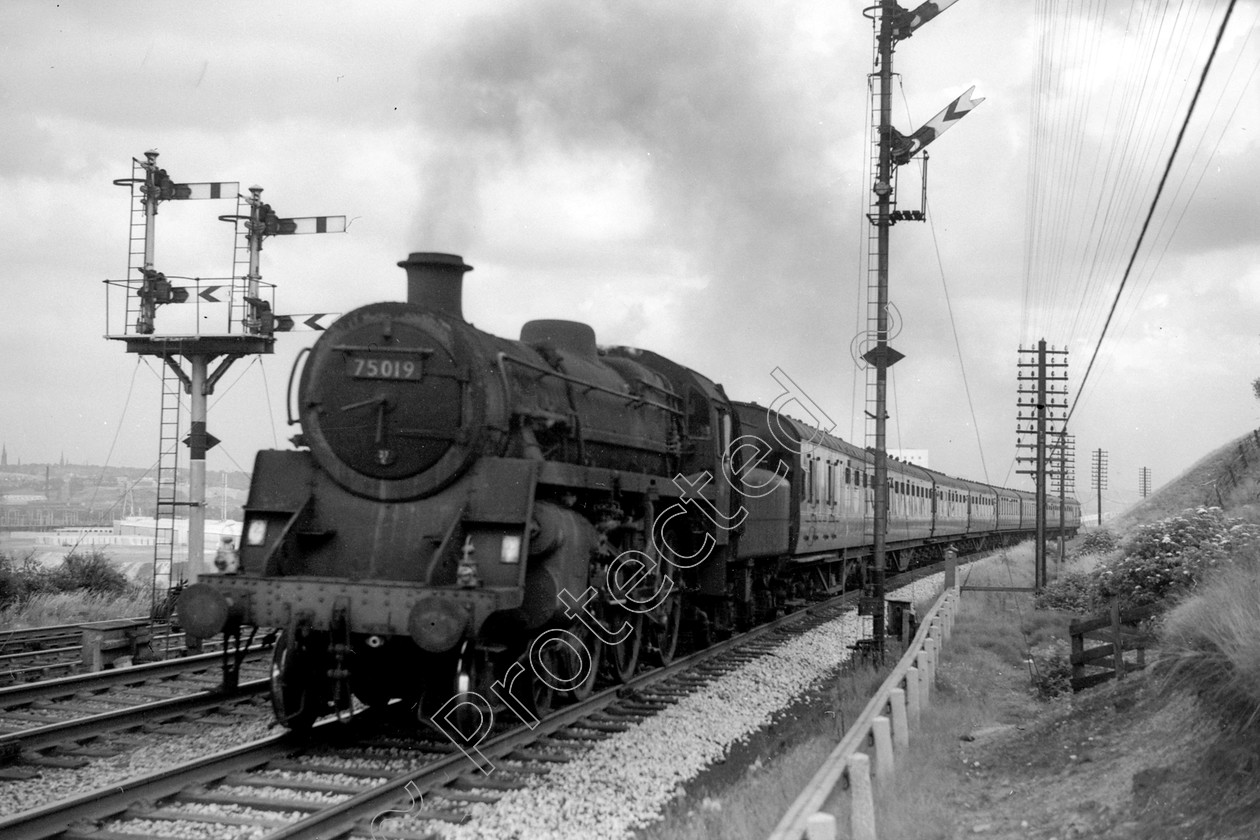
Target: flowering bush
(1100,541)
(1170,556)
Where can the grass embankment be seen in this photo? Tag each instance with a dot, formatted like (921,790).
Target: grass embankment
(1228,478)
(1173,752)
(84,587)
(1005,751)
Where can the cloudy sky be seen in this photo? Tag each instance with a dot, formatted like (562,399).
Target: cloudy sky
(686,177)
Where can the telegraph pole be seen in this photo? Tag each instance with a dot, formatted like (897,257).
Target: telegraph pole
(1144,481)
(1066,459)
(1046,393)
(1098,477)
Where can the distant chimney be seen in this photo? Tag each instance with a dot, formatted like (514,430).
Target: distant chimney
(436,282)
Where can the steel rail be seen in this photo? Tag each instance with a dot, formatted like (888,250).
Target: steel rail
(90,726)
(26,634)
(51,820)
(8,658)
(16,695)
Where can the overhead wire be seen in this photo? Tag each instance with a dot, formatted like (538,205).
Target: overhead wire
(1220,33)
(1153,260)
(1072,246)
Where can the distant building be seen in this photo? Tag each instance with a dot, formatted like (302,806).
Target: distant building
(918,457)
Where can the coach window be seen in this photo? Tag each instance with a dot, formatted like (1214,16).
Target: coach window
(697,414)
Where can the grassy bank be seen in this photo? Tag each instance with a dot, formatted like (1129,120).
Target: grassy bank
(83,587)
(77,607)
(1132,759)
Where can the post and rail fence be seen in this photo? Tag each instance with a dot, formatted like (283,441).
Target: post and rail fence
(882,729)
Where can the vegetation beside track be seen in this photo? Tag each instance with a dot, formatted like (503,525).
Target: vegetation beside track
(85,586)
(1001,755)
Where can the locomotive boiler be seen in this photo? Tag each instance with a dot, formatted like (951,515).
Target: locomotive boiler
(454,499)
(452,490)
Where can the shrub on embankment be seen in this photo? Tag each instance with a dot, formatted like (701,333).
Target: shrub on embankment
(1203,567)
(91,574)
(1156,564)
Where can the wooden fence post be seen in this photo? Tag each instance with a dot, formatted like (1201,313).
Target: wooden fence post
(1078,649)
(925,687)
(1116,640)
(901,726)
(862,807)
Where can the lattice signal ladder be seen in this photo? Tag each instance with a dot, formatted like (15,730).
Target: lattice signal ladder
(135,244)
(872,297)
(167,474)
(237,307)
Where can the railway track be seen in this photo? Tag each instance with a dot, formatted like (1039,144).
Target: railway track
(42,638)
(37,654)
(61,722)
(365,778)
(285,787)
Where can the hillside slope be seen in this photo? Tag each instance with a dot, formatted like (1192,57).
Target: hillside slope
(1228,478)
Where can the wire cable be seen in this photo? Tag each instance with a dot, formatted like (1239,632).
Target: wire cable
(1220,33)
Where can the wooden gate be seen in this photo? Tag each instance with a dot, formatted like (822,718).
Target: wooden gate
(1119,632)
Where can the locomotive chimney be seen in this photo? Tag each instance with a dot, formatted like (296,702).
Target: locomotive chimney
(436,282)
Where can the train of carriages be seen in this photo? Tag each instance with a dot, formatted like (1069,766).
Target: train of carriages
(457,499)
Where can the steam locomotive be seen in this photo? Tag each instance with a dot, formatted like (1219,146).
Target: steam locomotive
(456,498)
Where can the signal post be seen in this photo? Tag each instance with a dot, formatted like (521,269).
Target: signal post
(893,149)
(190,359)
